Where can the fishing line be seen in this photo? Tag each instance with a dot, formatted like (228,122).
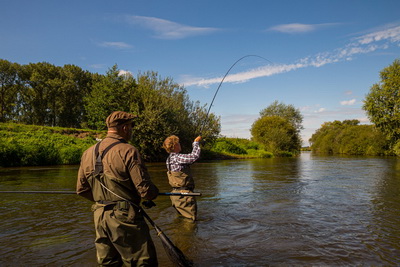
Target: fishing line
(219,86)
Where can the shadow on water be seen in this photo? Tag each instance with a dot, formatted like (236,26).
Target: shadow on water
(305,211)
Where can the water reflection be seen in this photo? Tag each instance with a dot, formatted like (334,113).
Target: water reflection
(306,211)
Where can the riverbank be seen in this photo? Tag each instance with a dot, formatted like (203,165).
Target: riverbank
(32,145)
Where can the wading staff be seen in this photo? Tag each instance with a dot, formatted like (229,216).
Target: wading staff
(216,92)
(73,192)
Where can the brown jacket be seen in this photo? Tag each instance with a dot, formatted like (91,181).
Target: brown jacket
(122,162)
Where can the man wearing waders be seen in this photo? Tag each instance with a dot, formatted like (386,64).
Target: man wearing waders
(180,177)
(109,171)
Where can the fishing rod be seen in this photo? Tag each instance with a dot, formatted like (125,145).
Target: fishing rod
(226,74)
(74,193)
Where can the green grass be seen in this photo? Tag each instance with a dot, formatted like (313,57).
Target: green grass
(31,145)
(238,148)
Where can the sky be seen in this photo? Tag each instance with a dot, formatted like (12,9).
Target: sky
(320,56)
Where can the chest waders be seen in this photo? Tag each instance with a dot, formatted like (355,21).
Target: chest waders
(122,235)
(182,181)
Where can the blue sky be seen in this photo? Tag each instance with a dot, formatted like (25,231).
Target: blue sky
(320,56)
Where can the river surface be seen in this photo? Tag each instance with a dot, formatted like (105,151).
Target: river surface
(305,211)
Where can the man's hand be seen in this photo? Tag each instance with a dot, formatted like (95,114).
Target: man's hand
(198,139)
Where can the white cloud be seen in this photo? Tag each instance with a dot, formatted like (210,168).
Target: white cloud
(298,27)
(348,102)
(118,45)
(368,43)
(124,73)
(391,33)
(244,76)
(165,29)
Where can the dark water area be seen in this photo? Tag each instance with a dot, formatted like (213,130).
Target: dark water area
(305,211)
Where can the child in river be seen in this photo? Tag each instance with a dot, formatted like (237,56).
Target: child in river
(180,177)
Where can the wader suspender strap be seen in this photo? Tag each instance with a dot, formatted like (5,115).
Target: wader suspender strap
(98,168)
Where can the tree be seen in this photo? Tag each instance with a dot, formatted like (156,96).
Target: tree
(279,128)
(9,89)
(109,93)
(288,112)
(382,103)
(276,133)
(164,109)
(41,84)
(75,86)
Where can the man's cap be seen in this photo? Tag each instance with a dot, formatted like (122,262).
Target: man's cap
(117,118)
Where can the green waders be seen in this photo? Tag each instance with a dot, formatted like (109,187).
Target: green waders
(183,182)
(122,236)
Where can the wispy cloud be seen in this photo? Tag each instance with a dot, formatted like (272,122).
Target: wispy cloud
(117,45)
(349,92)
(98,66)
(298,27)
(165,29)
(378,40)
(348,102)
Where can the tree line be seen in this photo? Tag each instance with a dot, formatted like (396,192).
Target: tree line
(68,96)
(382,105)
(48,95)
(348,137)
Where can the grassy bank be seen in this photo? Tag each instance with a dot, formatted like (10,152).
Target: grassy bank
(30,145)
(235,148)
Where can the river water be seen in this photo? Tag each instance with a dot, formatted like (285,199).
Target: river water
(305,211)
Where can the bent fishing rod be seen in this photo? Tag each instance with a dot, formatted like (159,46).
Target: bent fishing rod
(219,86)
(73,192)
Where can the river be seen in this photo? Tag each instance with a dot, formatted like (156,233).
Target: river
(305,211)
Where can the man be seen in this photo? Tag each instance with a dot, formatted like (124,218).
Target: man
(180,176)
(116,185)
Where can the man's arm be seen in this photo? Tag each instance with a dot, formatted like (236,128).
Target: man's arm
(141,177)
(83,188)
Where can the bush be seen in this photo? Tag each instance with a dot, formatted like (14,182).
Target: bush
(225,145)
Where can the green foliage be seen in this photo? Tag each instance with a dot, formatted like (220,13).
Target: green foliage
(9,88)
(47,95)
(50,95)
(278,129)
(109,93)
(27,145)
(349,138)
(164,109)
(289,112)
(277,134)
(382,103)
(237,148)
(226,145)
